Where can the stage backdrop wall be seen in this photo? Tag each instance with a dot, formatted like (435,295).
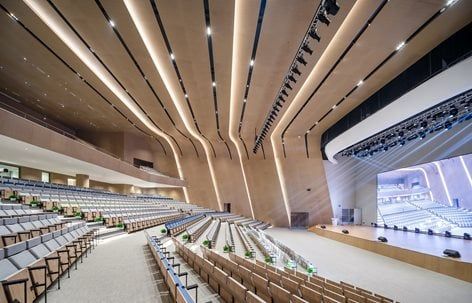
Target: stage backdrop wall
(353,182)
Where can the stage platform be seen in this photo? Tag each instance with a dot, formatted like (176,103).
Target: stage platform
(417,249)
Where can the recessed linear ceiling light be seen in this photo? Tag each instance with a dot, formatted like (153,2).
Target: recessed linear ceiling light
(214,83)
(251,63)
(360,82)
(112,23)
(400,46)
(54,22)
(208,31)
(172,56)
(135,10)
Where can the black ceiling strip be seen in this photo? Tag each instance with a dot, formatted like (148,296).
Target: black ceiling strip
(353,42)
(262,144)
(70,68)
(393,53)
(306,146)
(245,148)
(283,148)
(130,54)
(206,6)
(253,58)
(174,63)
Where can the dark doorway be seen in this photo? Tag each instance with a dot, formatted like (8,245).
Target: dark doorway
(299,220)
(227,207)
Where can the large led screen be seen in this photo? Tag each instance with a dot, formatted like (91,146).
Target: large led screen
(435,195)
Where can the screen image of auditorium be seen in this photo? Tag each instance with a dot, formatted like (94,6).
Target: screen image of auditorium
(435,195)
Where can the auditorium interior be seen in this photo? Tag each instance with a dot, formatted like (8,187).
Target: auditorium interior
(302,151)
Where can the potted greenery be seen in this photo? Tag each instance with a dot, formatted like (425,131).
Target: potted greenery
(33,204)
(163,231)
(13,198)
(99,219)
(311,270)
(268,259)
(185,237)
(206,243)
(78,214)
(248,254)
(120,225)
(55,209)
(227,248)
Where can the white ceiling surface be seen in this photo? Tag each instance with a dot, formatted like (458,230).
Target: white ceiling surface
(24,154)
(441,87)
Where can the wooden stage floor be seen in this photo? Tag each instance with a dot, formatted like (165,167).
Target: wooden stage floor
(418,249)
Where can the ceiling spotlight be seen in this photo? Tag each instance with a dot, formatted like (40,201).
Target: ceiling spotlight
(314,34)
(214,83)
(291,78)
(307,49)
(450,2)
(301,59)
(295,70)
(400,46)
(334,106)
(251,63)
(14,17)
(112,23)
(281,98)
(276,108)
(244,100)
(278,104)
(287,85)
(332,7)
(186,96)
(323,17)
(208,31)
(308,131)
(172,56)
(284,92)
(360,82)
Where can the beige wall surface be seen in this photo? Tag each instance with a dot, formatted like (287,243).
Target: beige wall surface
(30,173)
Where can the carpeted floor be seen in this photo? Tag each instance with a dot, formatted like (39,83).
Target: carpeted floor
(398,280)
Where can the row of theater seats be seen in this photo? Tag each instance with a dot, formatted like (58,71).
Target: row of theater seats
(196,230)
(246,243)
(14,210)
(135,223)
(212,235)
(177,226)
(275,285)
(29,267)
(226,286)
(177,289)
(22,228)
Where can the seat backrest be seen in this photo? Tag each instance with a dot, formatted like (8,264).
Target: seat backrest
(297,299)
(236,289)
(39,251)
(253,298)
(33,242)
(13,249)
(279,295)
(310,295)
(51,245)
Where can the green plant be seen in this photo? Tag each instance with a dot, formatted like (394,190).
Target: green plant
(99,219)
(78,214)
(248,254)
(227,248)
(185,237)
(206,243)
(55,209)
(33,204)
(268,259)
(13,198)
(163,231)
(120,225)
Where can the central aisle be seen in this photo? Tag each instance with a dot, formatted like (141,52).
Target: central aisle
(120,269)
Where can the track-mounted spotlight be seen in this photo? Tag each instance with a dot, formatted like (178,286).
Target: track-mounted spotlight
(292,78)
(278,103)
(281,98)
(276,108)
(323,17)
(301,59)
(307,49)
(287,85)
(314,34)
(295,70)
(284,92)
(332,7)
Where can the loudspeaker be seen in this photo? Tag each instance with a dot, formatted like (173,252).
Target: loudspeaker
(417,230)
(466,236)
(395,227)
(385,226)
(405,228)
(452,253)
(430,232)
(345,231)
(382,239)
(375,224)
(447,234)
(323,226)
